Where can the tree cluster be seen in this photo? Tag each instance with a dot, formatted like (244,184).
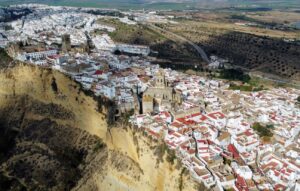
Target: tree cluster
(263,131)
(234,74)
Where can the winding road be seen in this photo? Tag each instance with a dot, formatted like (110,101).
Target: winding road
(200,51)
(204,56)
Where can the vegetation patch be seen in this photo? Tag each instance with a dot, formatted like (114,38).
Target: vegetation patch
(98,146)
(7,140)
(171,156)
(234,74)
(263,131)
(160,151)
(54,86)
(5,59)
(10,183)
(226,161)
(181,179)
(247,88)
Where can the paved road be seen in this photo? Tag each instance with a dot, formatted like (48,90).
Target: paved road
(200,51)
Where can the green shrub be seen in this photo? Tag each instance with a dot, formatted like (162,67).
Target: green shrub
(263,131)
(234,74)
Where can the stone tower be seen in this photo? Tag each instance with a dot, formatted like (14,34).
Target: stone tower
(160,79)
(66,43)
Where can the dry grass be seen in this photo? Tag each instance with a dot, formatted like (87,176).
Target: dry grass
(275,16)
(188,26)
(132,34)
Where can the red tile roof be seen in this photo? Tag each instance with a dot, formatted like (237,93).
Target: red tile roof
(241,184)
(216,115)
(231,148)
(176,124)
(279,187)
(98,72)
(248,133)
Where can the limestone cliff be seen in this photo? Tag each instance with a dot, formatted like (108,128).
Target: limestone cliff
(53,137)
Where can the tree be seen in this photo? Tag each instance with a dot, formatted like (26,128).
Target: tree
(227,161)
(171,156)
(246,78)
(263,131)
(298,99)
(234,74)
(270,126)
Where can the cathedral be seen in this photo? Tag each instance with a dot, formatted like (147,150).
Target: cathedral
(160,95)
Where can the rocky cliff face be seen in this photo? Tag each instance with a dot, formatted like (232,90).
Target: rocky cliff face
(41,156)
(53,137)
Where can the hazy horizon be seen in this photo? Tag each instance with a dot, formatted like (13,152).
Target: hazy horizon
(162,4)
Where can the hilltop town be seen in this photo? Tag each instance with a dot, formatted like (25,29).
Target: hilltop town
(226,138)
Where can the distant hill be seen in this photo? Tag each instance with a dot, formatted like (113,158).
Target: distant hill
(162,4)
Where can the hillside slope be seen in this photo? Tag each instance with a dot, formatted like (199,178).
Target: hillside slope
(248,50)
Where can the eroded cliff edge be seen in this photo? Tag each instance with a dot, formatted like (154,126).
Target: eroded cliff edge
(54,137)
